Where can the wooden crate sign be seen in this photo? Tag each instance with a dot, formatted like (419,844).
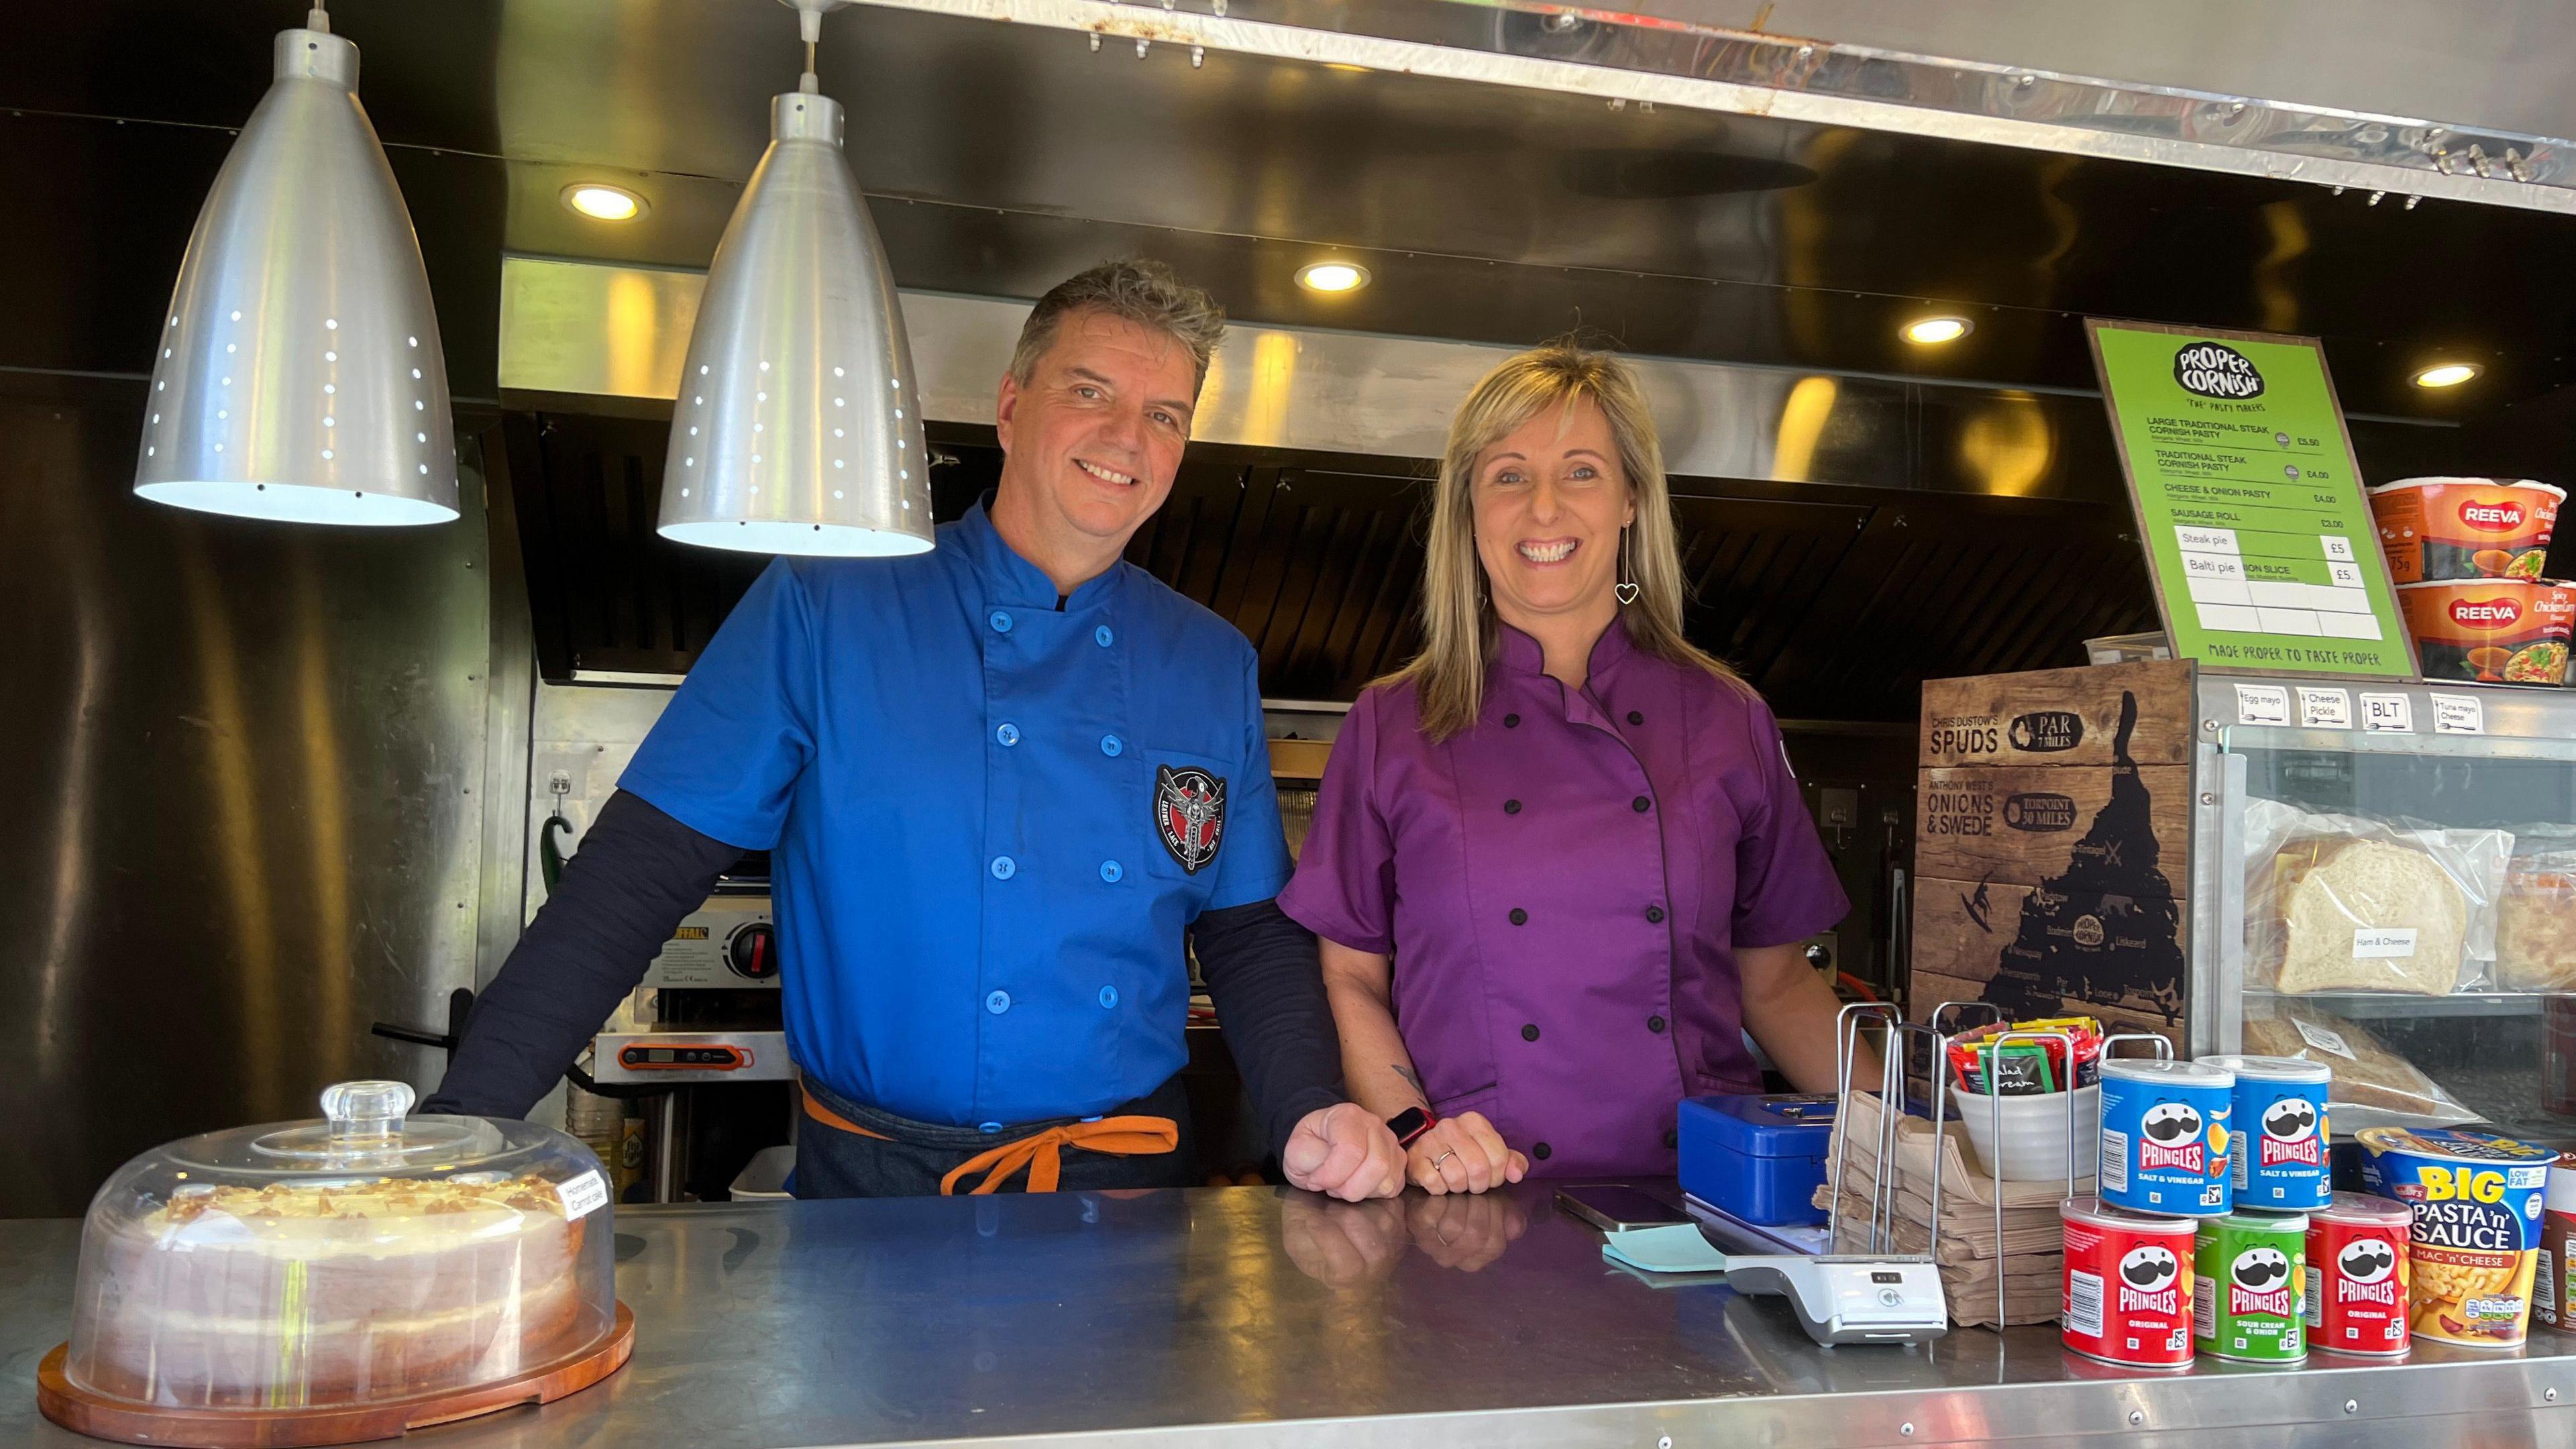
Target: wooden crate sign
(2058,716)
(2052,841)
(2025,823)
(2033,953)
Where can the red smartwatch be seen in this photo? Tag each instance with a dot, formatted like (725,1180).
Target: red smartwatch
(1409,1125)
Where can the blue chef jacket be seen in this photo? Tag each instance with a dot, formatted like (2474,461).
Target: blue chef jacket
(991,819)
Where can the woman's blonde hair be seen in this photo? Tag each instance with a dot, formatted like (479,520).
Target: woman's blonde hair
(1458,620)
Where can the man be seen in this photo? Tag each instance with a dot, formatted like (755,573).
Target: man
(998,780)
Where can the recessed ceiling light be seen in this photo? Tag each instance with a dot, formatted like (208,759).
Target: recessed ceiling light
(2446,374)
(604,203)
(1332,276)
(1932,331)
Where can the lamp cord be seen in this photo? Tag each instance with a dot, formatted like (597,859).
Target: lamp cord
(809,24)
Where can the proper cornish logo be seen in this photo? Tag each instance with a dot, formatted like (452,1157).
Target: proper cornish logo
(1189,814)
(2210,370)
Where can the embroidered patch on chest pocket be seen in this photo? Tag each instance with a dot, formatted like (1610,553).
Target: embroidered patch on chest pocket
(1189,814)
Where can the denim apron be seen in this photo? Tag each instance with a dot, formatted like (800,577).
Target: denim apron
(844,1149)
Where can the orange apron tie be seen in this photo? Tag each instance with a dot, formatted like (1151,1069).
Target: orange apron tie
(1041,1152)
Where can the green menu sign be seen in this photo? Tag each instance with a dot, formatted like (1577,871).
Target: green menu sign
(2263,549)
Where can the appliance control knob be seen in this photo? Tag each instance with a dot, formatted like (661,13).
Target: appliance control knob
(752,952)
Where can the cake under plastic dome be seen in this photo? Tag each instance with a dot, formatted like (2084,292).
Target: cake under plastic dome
(369,1259)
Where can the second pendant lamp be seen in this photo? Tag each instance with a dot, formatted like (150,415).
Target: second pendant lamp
(798,424)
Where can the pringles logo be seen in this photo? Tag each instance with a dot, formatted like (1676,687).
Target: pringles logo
(2495,613)
(2488,515)
(2150,1280)
(2259,1282)
(2241,1302)
(2047,731)
(2188,1159)
(2210,370)
(2169,1137)
(2290,1134)
(2368,1272)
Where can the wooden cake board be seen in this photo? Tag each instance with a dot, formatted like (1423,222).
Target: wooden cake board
(83,1411)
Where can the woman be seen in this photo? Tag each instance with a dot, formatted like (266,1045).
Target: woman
(1560,859)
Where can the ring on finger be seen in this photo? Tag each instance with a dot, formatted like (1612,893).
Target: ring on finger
(1444,1157)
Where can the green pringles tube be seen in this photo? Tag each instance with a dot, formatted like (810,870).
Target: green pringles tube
(2249,1287)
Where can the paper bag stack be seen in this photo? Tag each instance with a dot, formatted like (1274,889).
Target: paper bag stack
(2029,1254)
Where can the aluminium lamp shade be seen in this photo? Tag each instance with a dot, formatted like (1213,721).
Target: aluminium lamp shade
(298,374)
(798,425)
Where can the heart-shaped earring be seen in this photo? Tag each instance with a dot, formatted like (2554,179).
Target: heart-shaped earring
(1627,593)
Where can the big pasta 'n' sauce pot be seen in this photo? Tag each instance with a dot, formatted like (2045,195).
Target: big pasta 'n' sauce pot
(2477,1201)
(2498,631)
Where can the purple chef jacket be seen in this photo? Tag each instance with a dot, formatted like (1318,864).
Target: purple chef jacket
(1563,887)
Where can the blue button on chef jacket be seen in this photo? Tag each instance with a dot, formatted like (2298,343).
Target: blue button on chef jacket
(847,717)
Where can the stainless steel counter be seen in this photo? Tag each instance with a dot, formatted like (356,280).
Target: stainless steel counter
(1255,1317)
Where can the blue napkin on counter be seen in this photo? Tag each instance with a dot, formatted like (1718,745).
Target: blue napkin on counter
(1671,1248)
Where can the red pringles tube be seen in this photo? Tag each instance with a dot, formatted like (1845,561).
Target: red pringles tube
(2357,1274)
(2127,1285)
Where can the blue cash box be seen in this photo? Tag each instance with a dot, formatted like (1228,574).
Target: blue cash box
(1758,1158)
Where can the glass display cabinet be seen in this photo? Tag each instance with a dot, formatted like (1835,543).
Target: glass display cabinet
(2393,895)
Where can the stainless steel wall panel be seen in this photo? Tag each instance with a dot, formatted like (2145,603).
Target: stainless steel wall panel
(1710,68)
(2503,63)
(243,762)
(509,705)
(1490,210)
(579,329)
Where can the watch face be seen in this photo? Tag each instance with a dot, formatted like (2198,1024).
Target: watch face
(1408,1124)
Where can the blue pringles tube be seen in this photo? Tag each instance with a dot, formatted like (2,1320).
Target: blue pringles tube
(2166,1136)
(2281,1133)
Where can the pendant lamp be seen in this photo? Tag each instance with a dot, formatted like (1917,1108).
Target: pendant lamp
(298,374)
(798,425)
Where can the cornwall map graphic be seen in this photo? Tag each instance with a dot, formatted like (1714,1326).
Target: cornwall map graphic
(2108,930)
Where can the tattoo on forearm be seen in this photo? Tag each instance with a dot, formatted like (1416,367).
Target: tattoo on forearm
(1414,1082)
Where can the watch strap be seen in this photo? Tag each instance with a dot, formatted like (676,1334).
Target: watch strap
(1409,1124)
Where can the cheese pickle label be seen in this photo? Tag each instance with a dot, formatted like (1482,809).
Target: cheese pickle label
(2477,1201)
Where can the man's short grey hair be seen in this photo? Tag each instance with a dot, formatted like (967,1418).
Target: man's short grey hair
(1145,292)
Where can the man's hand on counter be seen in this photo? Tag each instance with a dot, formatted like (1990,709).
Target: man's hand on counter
(1344,1152)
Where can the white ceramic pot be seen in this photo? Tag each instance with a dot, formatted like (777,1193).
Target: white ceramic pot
(2034,1133)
